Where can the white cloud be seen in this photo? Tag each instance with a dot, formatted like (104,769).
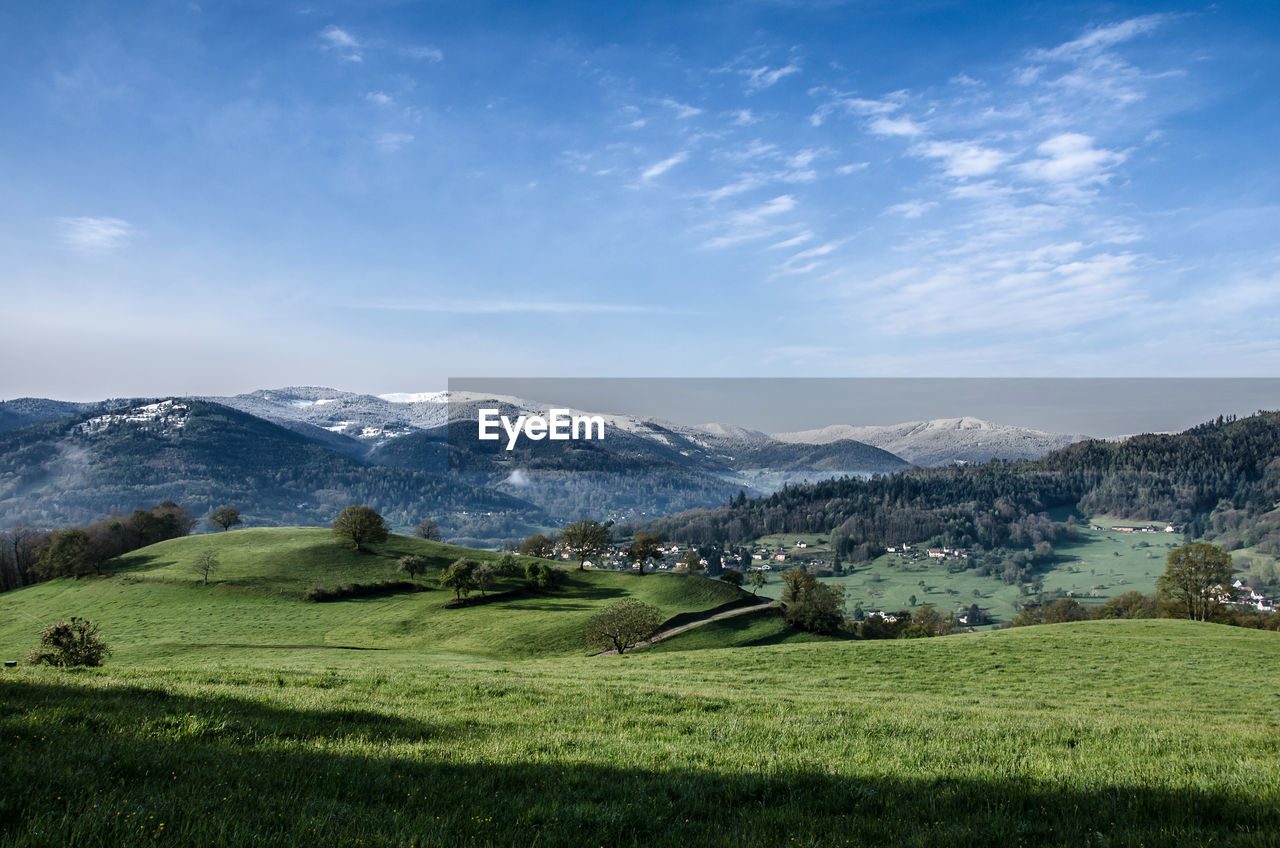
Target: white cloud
(379,97)
(1102,37)
(432,54)
(911,208)
(96,235)
(391,142)
(963,159)
(659,168)
(851,168)
(766,77)
(806,260)
(682,110)
(336,38)
(743,118)
(895,126)
(753,223)
(1071,158)
(794,241)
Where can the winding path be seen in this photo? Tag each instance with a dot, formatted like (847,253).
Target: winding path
(667,634)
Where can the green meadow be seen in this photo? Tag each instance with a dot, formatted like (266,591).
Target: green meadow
(1099,565)
(238,713)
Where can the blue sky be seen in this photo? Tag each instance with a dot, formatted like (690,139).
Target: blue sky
(215,197)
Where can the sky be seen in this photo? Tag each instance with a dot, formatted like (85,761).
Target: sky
(216,197)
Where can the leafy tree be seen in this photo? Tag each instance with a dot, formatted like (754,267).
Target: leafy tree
(811,605)
(70,554)
(1197,581)
(540,575)
(538,545)
(690,561)
(206,562)
(225,517)
(361,526)
(483,576)
(413,565)
(508,566)
(643,548)
(622,625)
(1128,605)
(1064,610)
(70,643)
(460,577)
(427,529)
(733,577)
(758,580)
(584,540)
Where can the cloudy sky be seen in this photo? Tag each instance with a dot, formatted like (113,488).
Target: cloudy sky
(216,197)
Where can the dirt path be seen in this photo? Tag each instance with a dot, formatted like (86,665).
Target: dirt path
(667,634)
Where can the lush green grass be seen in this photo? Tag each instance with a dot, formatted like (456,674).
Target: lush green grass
(238,714)
(1103,733)
(155,606)
(1099,565)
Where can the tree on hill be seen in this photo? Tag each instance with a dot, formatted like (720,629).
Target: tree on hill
(540,575)
(538,545)
(733,577)
(1196,583)
(811,605)
(644,548)
(622,625)
(206,562)
(483,576)
(361,526)
(427,529)
(460,577)
(225,517)
(413,565)
(758,580)
(584,540)
(690,561)
(70,553)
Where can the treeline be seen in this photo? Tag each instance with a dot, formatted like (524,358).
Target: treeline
(1136,605)
(1218,479)
(29,555)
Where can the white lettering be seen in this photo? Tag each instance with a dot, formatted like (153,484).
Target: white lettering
(560,421)
(536,427)
(486,421)
(587,422)
(513,433)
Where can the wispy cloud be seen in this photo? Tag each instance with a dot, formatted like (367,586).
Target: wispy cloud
(964,159)
(431,54)
(502,307)
(753,223)
(657,169)
(95,235)
(682,110)
(895,126)
(912,208)
(379,97)
(344,43)
(1071,158)
(392,141)
(766,77)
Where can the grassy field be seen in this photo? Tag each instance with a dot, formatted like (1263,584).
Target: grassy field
(240,714)
(154,606)
(1102,733)
(1099,565)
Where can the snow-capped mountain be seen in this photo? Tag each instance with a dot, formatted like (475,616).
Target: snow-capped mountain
(943,441)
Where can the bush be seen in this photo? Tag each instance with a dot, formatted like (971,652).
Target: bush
(70,643)
(540,575)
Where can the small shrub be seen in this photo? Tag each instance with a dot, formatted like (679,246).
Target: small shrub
(70,643)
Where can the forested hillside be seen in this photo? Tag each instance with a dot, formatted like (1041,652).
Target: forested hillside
(1221,479)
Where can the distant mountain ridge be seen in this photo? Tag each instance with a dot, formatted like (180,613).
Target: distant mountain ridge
(943,441)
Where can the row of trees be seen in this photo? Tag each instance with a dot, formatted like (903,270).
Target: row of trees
(29,555)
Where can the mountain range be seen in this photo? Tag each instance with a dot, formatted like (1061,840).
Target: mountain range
(298,454)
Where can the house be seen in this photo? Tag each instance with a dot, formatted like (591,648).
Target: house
(937,553)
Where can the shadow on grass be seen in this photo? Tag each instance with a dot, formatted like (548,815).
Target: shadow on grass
(125,765)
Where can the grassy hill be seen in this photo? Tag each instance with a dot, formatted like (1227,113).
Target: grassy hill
(153,606)
(1100,733)
(238,713)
